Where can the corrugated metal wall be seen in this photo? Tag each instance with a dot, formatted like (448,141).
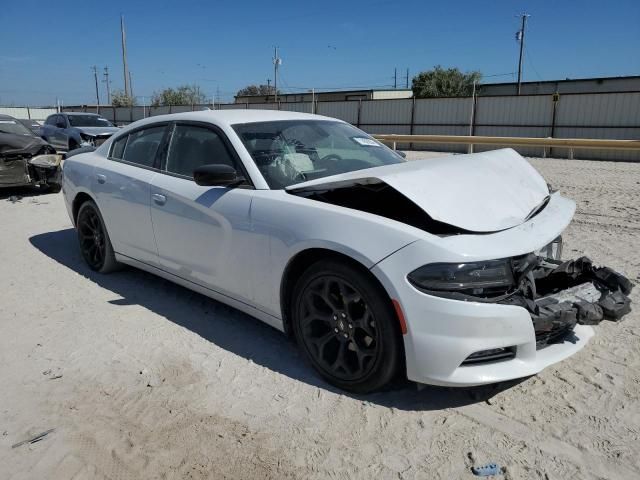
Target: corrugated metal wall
(594,115)
(38,114)
(347,111)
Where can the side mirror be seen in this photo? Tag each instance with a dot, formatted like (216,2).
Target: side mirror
(60,125)
(402,154)
(217,174)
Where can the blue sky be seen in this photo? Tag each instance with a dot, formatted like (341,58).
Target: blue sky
(49,47)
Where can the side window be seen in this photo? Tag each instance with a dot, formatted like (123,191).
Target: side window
(51,120)
(192,147)
(143,146)
(117,149)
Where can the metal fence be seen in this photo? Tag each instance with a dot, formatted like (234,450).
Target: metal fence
(593,115)
(29,113)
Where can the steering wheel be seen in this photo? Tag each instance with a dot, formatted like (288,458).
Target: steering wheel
(331,156)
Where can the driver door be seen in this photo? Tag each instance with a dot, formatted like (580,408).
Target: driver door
(57,135)
(203,233)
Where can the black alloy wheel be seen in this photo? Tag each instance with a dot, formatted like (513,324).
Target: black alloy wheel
(95,244)
(92,239)
(346,327)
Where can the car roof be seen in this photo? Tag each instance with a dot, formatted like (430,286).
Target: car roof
(232,117)
(6,117)
(80,113)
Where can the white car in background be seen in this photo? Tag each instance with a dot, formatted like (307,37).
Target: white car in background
(377,266)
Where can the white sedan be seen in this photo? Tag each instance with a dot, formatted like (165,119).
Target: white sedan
(377,266)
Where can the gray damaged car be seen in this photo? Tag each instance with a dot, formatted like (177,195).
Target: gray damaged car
(69,130)
(26,159)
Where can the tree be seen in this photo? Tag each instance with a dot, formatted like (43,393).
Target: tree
(121,99)
(440,82)
(182,95)
(256,90)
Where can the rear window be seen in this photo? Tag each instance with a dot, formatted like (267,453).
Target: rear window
(142,146)
(88,121)
(118,147)
(13,127)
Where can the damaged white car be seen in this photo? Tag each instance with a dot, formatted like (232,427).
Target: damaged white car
(447,270)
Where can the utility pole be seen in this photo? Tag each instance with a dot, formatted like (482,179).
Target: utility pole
(407,79)
(95,77)
(277,61)
(268,88)
(520,38)
(106,80)
(395,78)
(130,85)
(125,70)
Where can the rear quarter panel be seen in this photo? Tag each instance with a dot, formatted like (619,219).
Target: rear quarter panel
(77,178)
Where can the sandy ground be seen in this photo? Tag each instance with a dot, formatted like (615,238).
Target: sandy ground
(144,379)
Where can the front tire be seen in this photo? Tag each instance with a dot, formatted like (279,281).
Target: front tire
(95,244)
(345,324)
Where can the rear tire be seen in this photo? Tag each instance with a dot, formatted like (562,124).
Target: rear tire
(346,326)
(95,244)
(54,187)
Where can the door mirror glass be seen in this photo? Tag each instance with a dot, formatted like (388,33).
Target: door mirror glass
(60,124)
(217,174)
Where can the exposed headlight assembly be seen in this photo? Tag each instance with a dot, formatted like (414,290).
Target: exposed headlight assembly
(487,278)
(47,161)
(87,140)
(552,250)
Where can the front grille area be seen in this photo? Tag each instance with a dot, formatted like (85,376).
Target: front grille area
(492,355)
(556,335)
(553,323)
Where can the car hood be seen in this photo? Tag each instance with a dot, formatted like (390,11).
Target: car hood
(98,130)
(478,192)
(11,144)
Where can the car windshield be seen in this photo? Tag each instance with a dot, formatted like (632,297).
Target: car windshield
(88,121)
(14,127)
(294,151)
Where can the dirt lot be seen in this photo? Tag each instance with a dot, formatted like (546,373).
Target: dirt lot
(144,379)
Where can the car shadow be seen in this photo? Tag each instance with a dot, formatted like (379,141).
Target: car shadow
(16,194)
(242,334)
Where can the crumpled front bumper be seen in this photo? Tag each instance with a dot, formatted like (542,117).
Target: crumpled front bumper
(442,333)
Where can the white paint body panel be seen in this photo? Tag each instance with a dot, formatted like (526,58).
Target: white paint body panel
(480,192)
(235,244)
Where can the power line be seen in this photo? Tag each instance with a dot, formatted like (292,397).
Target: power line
(526,52)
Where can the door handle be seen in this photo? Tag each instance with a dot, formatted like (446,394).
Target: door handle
(101,178)
(159,199)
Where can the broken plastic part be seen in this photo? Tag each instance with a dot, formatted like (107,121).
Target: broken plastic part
(563,294)
(615,305)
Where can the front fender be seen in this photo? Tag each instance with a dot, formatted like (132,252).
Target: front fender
(74,134)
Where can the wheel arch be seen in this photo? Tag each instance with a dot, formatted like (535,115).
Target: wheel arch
(78,200)
(303,260)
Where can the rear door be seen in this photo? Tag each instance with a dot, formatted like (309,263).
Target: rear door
(122,183)
(203,233)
